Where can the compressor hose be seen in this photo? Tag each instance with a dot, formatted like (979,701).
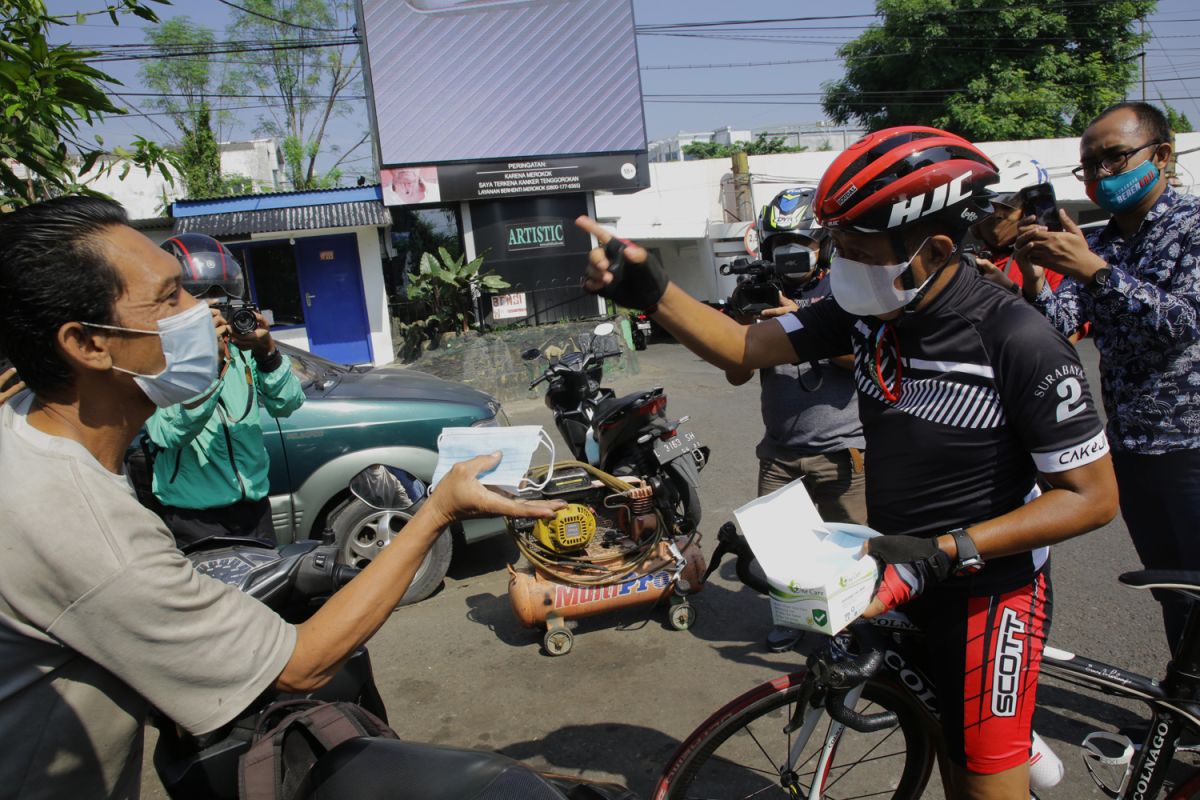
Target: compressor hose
(582,571)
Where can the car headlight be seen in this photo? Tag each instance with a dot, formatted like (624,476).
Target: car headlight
(501,419)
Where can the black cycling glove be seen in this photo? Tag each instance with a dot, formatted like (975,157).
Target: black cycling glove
(907,566)
(638,286)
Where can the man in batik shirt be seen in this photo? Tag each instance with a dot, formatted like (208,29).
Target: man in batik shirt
(1137,281)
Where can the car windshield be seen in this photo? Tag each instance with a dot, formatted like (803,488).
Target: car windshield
(311,369)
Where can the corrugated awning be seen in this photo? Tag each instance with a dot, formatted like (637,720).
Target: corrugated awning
(333,215)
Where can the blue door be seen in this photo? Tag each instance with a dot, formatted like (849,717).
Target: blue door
(335,311)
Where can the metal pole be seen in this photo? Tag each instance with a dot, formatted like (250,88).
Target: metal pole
(741,187)
(1143,21)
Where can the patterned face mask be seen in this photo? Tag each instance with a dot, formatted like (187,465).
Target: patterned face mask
(1121,192)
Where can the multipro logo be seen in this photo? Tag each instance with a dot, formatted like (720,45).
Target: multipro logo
(1006,668)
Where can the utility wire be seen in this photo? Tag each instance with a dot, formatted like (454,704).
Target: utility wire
(280,21)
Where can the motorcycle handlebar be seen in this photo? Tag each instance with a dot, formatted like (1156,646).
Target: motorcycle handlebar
(343,574)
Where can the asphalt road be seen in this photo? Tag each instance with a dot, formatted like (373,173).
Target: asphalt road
(457,669)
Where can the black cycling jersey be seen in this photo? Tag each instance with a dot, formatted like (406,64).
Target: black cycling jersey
(989,394)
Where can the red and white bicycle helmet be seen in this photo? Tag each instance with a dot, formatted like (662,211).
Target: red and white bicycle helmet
(208,266)
(894,177)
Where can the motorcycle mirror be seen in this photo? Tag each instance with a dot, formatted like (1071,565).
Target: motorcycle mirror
(531,354)
(604,329)
(387,488)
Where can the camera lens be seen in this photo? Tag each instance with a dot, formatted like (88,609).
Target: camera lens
(244,322)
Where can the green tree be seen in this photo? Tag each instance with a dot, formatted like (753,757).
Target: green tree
(306,86)
(989,69)
(1176,119)
(190,86)
(762,145)
(49,95)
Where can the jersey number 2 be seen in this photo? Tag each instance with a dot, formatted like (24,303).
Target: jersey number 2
(1073,402)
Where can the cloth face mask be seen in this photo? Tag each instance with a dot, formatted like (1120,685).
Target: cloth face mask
(517,445)
(1121,192)
(189,345)
(868,290)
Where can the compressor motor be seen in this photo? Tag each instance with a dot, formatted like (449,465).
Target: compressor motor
(608,528)
(616,544)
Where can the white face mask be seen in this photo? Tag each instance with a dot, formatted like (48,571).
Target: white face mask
(189,345)
(516,443)
(868,290)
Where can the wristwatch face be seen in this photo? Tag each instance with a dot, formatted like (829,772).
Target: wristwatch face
(969,561)
(968,566)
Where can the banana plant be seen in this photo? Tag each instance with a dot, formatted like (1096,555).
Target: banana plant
(450,287)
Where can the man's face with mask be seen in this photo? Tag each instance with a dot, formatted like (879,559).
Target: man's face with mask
(153,291)
(874,278)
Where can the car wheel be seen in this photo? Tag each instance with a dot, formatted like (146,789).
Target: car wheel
(361,532)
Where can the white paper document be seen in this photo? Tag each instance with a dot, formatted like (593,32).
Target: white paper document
(819,580)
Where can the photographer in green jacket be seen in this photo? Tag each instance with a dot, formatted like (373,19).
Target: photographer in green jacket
(210,468)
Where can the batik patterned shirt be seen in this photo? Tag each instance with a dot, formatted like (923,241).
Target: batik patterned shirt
(1147,326)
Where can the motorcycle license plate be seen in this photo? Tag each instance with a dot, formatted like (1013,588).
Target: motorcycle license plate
(643,325)
(676,446)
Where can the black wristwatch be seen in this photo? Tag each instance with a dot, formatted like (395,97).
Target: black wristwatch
(968,561)
(1101,279)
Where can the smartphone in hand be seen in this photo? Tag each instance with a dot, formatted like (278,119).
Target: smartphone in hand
(1039,201)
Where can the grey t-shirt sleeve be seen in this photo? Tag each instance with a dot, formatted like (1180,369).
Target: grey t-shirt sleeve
(199,650)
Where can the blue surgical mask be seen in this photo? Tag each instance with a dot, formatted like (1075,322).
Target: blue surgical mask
(189,345)
(517,444)
(1123,191)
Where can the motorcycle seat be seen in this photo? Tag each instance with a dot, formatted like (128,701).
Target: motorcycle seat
(612,406)
(385,769)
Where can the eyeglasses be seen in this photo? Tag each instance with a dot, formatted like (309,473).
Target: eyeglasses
(1113,164)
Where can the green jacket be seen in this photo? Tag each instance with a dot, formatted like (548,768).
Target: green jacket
(213,455)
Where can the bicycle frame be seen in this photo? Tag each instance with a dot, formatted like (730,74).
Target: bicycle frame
(1173,702)
(1172,709)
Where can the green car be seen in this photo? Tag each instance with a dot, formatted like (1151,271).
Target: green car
(355,417)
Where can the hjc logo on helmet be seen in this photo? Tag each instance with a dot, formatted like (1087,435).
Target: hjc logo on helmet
(948,194)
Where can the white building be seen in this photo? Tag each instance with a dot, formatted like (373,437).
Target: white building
(689,214)
(145,196)
(819,135)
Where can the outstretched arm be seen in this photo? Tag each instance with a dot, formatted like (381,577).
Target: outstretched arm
(705,331)
(358,610)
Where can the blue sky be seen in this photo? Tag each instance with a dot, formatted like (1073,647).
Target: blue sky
(1173,53)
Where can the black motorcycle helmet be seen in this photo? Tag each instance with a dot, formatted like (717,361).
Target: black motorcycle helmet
(209,268)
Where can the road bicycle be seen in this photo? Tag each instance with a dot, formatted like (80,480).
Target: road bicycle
(861,719)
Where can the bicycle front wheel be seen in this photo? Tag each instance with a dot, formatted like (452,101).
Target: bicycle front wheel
(742,750)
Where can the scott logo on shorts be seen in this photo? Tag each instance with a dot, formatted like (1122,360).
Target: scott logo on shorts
(1006,668)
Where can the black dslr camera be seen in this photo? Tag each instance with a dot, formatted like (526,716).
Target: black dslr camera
(760,282)
(240,314)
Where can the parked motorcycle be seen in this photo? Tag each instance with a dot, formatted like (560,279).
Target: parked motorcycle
(628,435)
(639,329)
(294,581)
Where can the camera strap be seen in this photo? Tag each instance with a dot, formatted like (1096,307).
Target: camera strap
(816,371)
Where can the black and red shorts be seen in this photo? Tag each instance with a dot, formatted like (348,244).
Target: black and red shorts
(984,656)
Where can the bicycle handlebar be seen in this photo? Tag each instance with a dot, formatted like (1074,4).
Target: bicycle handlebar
(835,704)
(842,676)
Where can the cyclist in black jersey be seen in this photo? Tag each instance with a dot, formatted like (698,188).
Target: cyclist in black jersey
(966,395)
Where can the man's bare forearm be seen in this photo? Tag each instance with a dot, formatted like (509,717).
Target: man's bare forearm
(719,340)
(1080,501)
(359,609)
